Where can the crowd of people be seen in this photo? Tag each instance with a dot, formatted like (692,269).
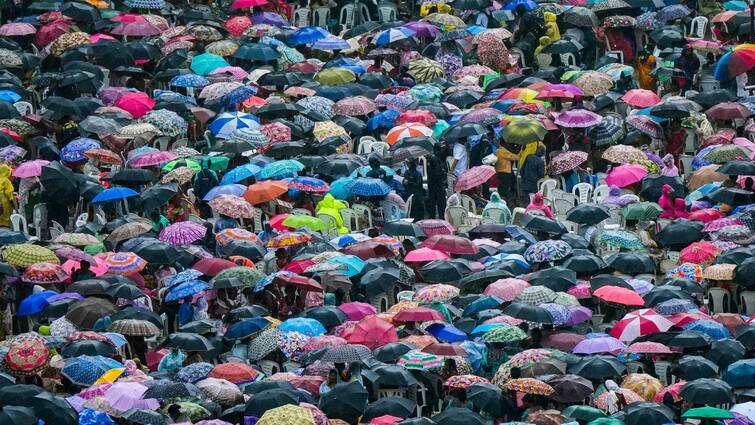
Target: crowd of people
(453,213)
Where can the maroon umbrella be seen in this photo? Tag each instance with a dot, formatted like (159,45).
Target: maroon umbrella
(135,29)
(728,111)
(451,244)
(369,249)
(212,266)
(563,341)
(418,314)
(440,349)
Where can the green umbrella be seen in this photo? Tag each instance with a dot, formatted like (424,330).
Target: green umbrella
(583,413)
(523,131)
(181,163)
(504,334)
(302,220)
(641,211)
(335,76)
(207,62)
(708,412)
(606,421)
(217,163)
(248,275)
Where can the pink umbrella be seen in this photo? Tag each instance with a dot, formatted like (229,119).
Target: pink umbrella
(648,348)
(506,289)
(150,159)
(473,177)
(95,38)
(50,32)
(578,118)
(373,332)
(571,88)
(599,345)
(128,395)
(323,341)
(357,311)
(641,98)
(234,71)
(99,268)
(30,169)
(17,29)
(137,104)
(182,232)
(436,227)
(136,29)
(241,4)
(626,175)
(425,254)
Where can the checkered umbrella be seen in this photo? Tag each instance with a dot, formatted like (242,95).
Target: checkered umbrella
(24,255)
(536,295)
(134,327)
(349,353)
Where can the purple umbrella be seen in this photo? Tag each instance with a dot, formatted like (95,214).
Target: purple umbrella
(226,189)
(109,95)
(63,296)
(269,18)
(559,312)
(128,395)
(599,345)
(423,29)
(642,287)
(654,157)
(578,315)
(578,118)
(75,254)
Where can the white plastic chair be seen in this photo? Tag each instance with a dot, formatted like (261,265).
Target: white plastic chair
(320,17)
(408,210)
(258,220)
(540,213)
(365,12)
(18,223)
(349,217)
(269,367)
(718,300)
(468,203)
(517,214)
(568,59)
(546,187)
(389,392)
(331,229)
(387,12)
(301,17)
(561,207)
(301,211)
(346,17)
(381,148)
(583,191)
(600,192)
(747,302)
(697,27)
(24,108)
(56,230)
(161,143)
(617,53)
(362,211)
(456,215)
(365,144)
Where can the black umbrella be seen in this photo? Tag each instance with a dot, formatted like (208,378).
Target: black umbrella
(601,280)
(141,50)
(576,241)
(417,421)
(652,185)
(17,415)
(484,278)
(437,108)
(671,110)
(393,405)
(80,12)
(556,278)
(54,410)
(125,291)
(362,28)
(458,416)
(58,308)
(145,417)
(188,342)
(391,352)
(564,45)
(732,196)
(345,401)
(462,131)
(288,149)
(236,147)
(249,249)
(130,176)
(631,263)
(667,38)
(445,270)
(664,293)
(707,391)
(528,312)
(263,401)
(258,52)
(20,394)
(84,313)
(688,285)
(725,352)
(267,385)
(570,388)
(746,334)
(59,182)
(487,397)
(157,252)
(734,256)
(329,316)
(157,196)
(375,80)
(403,228)
(493,231)
(167,390)
(689,339)
(737,168)
(598,367)
(585,262)
(503,82)
(380,279)
(707,99)
(543,224)
(353,125)
(394,376)
(695,367)
(588,214)
(462,98)
(680,233)
(87,347)
(139,314)
(645,413)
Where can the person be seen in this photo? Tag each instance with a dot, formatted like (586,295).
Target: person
(551,27)
(269,232)
(282,258)
(497,203)
(225,222)
(6,195)
(504,171)
(185,312)
(413,184)
(159,221)
(531,172)
(437,176)
(204,180)
(376,171)
(673,207)
(449,369)
(538,203)
(329,383)
(83,272)
(614,399)
(689,63)
(172,361)
(646,64)
(460,155)
(669,168)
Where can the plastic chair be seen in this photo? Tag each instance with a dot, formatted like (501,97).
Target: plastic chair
(468,203)
(269,367)
(301,211)
(389,392)
(600,192)
(568,59)
(387,12)
(365,144)
(346,17)
(583,191)
(161,143)
(617,53)
(747,303)
(456,215)
(56,230)
(363,210)
(407,211)
(546,187)
(349,217)
(331,229)
(18,223)
(381,148)
(321,17)
(517,214)
(697,27)
(24,108)
(718,300)
(301,17)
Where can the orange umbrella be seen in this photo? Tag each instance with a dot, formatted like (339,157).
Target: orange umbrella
(265,191)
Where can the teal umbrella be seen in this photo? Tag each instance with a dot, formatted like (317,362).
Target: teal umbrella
(207,62)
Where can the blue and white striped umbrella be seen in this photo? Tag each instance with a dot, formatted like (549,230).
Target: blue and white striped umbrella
(240,173)
(495,259)
(226,189)
(365,186)
(280,169)
(331,42)
(189,80)
(226,123)
(390,35)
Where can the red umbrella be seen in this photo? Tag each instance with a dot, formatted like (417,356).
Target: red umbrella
(681,319)
(50,32)
(234,372)
(298,266)
(417,115)
(373,332)
(25,358)
(674,389)
(136,29)
(730,320)
(473,177)
(648,348)
(641,98)
(699,253)
(301,282)
(212,266)
(440,349)
(618,295)
(728,111)
(418,314)
(450,244)
(425,254)
(369,249)
(436,227)
(706,215)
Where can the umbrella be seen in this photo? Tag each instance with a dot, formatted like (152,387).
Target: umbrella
(458,416)
(707,390)
(345,401)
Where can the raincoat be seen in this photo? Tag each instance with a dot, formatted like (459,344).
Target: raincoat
(497,202)
(538,203)
(6,195)
(669,169)
(551,27)
(330,206)
(671,208)
(616,198)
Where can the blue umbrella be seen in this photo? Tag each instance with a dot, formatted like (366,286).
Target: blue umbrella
(344,240)
(394,34)
(356,69)
(385,119)
(85,370)
(117,339)
(485,302)
(9,96)
(226,189)
(494,259)
(338,188)
(528,4)
(224,124)
(74,150)
(331,42)
(184,276)
(240,173)
(520,234)
(246,328)
(354,264)
(674,306)
(480,330)
(740,373)
(280,169)
(114,194)
(446,332)
(269,18)
(307,35)
(238,95)
(713,329)
(194,372)
(9,237)
(365,186)
(186,289)
(93,417)
(34,303)
(303,325)
(189,80)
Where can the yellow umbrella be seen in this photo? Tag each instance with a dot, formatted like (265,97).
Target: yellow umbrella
(287,415)
(327,129)
(110,376)
(643,384)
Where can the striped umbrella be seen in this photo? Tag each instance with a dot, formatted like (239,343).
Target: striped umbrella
(226,123)
(418,360)
(403,131)
(436,227)
(182,233)
(124,263)
(289,239)
(331,42)
(226,236)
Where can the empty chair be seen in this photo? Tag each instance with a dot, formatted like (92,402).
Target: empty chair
(600,192)
(321,16)
(349,217)
(583,191)
(718,300)
(302,211)
(346,17)
(18,223)
(56,230)
(331,227)
(456,215)
(363,211)
(747,303)
(365,144)
(387,12)
(269,367)
(697,27)
(24,108)
(381,148)
(301,17)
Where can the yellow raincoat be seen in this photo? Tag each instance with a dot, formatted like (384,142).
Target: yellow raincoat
(6,195)
(551,27)
(528,150)
(330,206)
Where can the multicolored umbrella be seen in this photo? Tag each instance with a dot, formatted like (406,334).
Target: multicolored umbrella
(182,233)
(124,263)
(24,255)
(549,250)
(417,360)
(26,357)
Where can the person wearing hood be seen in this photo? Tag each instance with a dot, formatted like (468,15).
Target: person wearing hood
(673,207)
(332,207)
(616,198)
(531,172)
(376,171)
(669,168)
(538,203)
(497,203)
(6,195)
(204,181)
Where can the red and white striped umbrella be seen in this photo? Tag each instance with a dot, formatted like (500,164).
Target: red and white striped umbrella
(407,130)
(640,322)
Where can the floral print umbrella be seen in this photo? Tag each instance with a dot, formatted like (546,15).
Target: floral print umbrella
(439,293)
(620,239)
(463,381)
(549,250)
(44,273)
(232,206)
(529,386)
(622,154)
(567,161)
(26,358)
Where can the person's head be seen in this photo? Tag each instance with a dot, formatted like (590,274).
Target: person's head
(154,215)
(85,265)
(520,9)
(549,17)
(668,191)
(538,199)
(668,160)
(614,190)
(687,51)
(374,162)
(281,253)
(332,377)
(449,364)
(411,164)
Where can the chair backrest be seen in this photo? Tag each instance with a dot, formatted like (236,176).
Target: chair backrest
(346,17)
(698,26)
(632,196)
(468,203)
(365,144)
(381,148)
(365,12)
(747,302)
(518,55)
(408,210)
(269,367)
(24,108)
(301,17)
(291,366)
(540,213)
(161,143)
(600,192)
(363,210)
(18,223)
(301,211)
(330,225)
(496,215)
(583,191)
(349,217)
(422,161)
(568,59)
(257,220)
(391,210)
(546,187)
(387,12)
(517,214)
(561,206)
(718,300)
(56,230)
(456,215)
(389,392)
(321,16)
